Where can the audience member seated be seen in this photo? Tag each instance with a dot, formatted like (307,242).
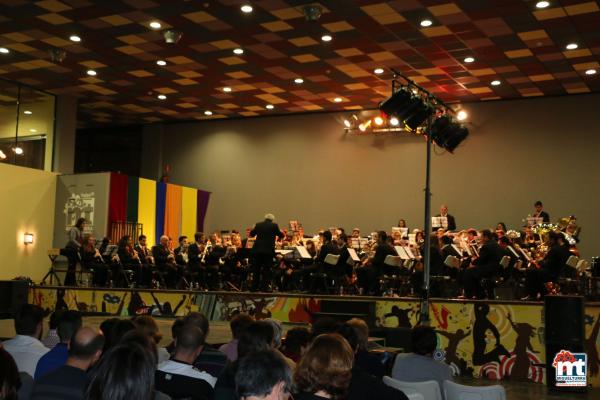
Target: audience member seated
(146,325)
(115,332)
(68,324)
(325,371)
(177,377)
(237,325)
(419,365)
(277,335)
(52,338)
(263,375)
(296,342)
(26,348)
(368,362)
(210,360)
(175,329)
(10,381)
(69,381)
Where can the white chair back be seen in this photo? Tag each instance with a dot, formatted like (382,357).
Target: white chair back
(332,259)
(572,261)
(393,261)
(505,262)
(430,390)
(452,262)
(455,391)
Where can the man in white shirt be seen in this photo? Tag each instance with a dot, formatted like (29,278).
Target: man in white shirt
(26,348)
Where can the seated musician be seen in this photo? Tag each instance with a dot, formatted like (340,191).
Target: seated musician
(327,247)
(164,259)
(343,270)
(196,252)
(145,254)
(550,267)
(91,259)
(212,260)
(181,252)
(373,267)
(232,268)
(529,239)
(483,267)
(355,233)
(508,272)
(448,250)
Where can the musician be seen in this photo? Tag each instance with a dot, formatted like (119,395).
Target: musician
(508,272)
(181,252)
(165,261)
(485,266)
(355,233)
(450,218)
(72,251)
(91,259)
(540,213)
(145,254)
(370,273)
(195,255)
(550,267)
(263,251)
(447,250)
(214,251)
(129,259)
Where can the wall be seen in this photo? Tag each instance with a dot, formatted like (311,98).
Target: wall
(66,124)
(27,198)
(304,167)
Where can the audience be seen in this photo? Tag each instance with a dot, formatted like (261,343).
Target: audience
(115,332)
(419,365)
(68,323)
(177,377)
(368,362)
(263,375)
(210,360)
(237,325)
(277,336)
(10,382)
(26,348)
(69,381)
(52,338)
(175,329)
(296,342)
(148,326)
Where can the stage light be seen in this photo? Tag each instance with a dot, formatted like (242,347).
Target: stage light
(394,121)
(326,38)
(4,50)
(162,97)
(426,22)
(590,72)
(447,134)
(2,155)
(75,38)
(238,51)
(378,71)
(162,63)
(18,150)
(572,46)
(416,114)
(91,72)
(269,106)
(155,25)
(312,12)
(462,115)
(347,123)
(338,100)
(496,83)
(172,36)
(246,8)
(378,121)
(363,127)
(227,89)
(299,80)
(28,238)
(27,112)
(33,130)
(469,60)
(542,4)
(395,102)
(208,113)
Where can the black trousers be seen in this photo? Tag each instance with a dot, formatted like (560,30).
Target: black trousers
(472,280)
(73,257)
(262,265)
(535,280)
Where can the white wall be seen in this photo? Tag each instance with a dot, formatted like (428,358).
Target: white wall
(304,167)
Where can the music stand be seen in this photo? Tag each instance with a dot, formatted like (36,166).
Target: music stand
(52,255)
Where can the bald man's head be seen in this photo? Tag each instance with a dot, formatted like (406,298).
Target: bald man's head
(86,343)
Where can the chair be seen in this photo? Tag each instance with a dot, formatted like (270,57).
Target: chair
(455,391)
(430,390)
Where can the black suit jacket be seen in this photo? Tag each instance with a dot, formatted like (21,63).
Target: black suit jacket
(265,233)
(194,255)
(490,255)
(160,254)
(545,216)
(451,222)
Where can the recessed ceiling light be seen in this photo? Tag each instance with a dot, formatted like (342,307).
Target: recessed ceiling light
(426,22)
(227,89)
(542,4)
(33,130)
(299,80)
(91,72)
(269,106)
(74,38)
(496,83)
(247,8)
(591,72)
(469,60)
(207,112)
(162,63)
(27,112)
(238,51)
(162,97)
(155,25)
(572,46)
(4,50)
(338,99)
(326,38)
(378,71)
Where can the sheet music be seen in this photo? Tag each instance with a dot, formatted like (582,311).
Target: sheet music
(412,238)
(353,255)
(401,252)
(531,221)
(409,252)
(404,232)
(396,229)
(303,252)
(355,243)
(436,222)
(284,252)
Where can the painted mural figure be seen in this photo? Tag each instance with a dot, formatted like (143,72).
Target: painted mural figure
(480,327)
(451,357)
(592,350)
(525,332)
(402,315)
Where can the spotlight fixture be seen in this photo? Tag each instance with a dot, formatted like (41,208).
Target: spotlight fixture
(161,97)
(312,12)
(33,130)
(326,38)
(394,121)
(363,127)
(378,121)
(28,238)
(338,100)
(496,83)
(269,106)
(426,23)
(75,38)
(155,25)
(162,63)
(91,72)
(469,60)
(18,150)
(378,71)
(299,80)
(447,134)
(572,46)
(4,50)
(462,115)
(27,112)
(590,72)
(57,55)
(347,123)
(238,51)
(246,8)
(172,36)
(408,107)
(227,89)
(207,112)
(542,4)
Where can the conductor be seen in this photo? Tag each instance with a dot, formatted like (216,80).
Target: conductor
(263,251)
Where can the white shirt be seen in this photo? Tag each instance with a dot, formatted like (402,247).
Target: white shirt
(178,368)
(26,351)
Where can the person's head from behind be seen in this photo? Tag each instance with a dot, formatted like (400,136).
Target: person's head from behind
(327,236)
(326,367)
(256,337)
(297,340)
(85,347)
(486,236)
(324,325)
(176,327)
(135,337)
(68,324)
(263,375)
(148,326)
(190,342)
(10,381)
(362,330)
(423,340)
(277,331)
(381,237)
(28,321)
(197,319)
(54,318)
(126,372)
(239,323)
(117,331)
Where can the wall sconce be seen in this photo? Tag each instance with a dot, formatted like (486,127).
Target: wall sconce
(28,238)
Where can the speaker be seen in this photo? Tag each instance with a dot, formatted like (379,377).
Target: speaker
(564,330)
(13,295)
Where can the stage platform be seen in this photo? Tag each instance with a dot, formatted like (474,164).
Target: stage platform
(389,317)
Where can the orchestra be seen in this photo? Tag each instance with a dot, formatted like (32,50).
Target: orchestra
(533,258)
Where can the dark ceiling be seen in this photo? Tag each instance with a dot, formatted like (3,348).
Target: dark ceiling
(511,40)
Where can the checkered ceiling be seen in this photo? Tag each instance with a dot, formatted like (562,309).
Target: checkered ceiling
(511,41)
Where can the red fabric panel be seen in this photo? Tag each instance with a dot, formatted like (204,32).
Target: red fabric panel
(117,199)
